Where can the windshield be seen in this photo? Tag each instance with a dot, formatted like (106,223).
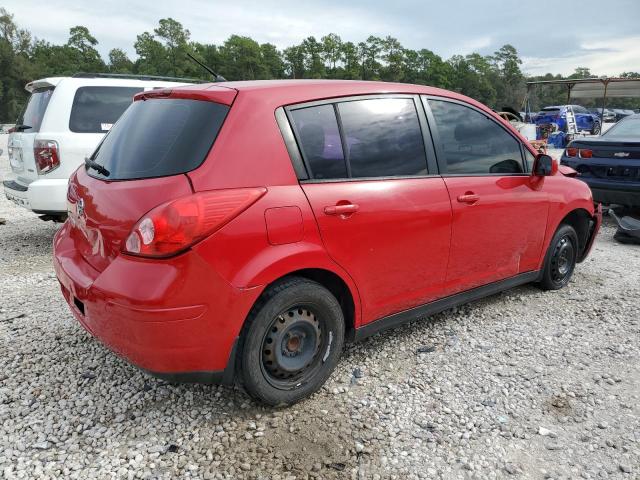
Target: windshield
(33,112)
(627,128)
(158,138)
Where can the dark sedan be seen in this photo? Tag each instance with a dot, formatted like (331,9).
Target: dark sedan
(610,164)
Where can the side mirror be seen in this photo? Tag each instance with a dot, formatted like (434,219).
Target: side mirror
(544,165)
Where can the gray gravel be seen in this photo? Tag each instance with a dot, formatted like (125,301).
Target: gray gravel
(524,384)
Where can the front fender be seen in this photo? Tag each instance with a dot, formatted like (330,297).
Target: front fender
(566,195)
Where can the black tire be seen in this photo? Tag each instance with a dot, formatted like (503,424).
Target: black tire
(595,130)
(304,320)
(560,260)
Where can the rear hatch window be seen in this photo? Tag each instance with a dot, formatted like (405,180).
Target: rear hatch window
(33,112)
(158,138)
(96,109)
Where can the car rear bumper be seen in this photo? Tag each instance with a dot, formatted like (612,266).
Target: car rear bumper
(41,196)
(174,318)
(608,192)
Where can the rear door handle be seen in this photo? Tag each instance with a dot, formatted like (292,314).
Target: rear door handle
(341,209)
(468,197)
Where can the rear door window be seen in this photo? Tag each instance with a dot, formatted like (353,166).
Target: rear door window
(383,137)
(96,109)
(34,111)
(369,138)
(158,138)
(473,144)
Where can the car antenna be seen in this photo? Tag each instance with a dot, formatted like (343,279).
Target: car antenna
(216,77)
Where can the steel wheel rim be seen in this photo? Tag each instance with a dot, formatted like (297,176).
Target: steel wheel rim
(563,259)
(291,347)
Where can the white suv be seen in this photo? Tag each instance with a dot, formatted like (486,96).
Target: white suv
(62,123)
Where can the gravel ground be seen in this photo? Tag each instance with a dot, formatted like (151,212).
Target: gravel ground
(524,384)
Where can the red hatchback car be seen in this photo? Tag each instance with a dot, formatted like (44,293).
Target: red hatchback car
(244,231)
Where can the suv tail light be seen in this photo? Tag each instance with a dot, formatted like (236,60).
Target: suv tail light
(175,226)
(572,152)
(586,153)
(46,155)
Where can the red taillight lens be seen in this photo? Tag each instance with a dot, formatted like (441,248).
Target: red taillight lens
(572,152)
(174,226)
(586,153)
(46,155)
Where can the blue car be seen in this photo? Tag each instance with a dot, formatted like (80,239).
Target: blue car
(609,164)
(585,120)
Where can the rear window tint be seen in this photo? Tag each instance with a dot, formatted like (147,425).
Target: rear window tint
(371,138)
(384,137)
(34,110)
(96,109)
(158,138)
(320,142)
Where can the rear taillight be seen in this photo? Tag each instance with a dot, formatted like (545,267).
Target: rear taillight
(174,226)
(585,153)
(46,155)
(572,152)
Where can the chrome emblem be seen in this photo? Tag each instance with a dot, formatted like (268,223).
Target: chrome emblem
(621,154)
(81,208)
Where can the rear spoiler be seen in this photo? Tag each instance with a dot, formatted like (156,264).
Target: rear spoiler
(42,83)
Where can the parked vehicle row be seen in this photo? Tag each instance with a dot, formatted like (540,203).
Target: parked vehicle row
(585,120)
(246,230)
(63,121)
(610,164)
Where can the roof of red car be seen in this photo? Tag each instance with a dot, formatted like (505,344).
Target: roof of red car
(285,92)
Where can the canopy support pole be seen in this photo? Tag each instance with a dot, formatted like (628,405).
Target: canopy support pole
(604,99)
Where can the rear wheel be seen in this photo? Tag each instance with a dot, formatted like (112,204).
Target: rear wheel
(595,130)
(292,342)
(561,258)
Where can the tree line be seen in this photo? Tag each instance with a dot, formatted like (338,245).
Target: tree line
(496,80)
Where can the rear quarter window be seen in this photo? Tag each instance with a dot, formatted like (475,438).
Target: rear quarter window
(96,109)
(158,138)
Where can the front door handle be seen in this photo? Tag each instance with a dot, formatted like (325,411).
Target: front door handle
(468,197)
(347,209)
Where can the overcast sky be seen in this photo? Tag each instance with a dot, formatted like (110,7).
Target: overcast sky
(550,36)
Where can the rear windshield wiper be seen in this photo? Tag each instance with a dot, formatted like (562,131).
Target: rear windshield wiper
(22,128)
(96,166)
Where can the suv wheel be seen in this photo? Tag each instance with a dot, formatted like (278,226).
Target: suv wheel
(561,258)
(291,342)
(595,130)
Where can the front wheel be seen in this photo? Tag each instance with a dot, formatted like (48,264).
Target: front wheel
(561,258)
(291,343)
(595,130)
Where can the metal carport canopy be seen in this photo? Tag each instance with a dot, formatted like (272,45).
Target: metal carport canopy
(614,87)
(596,87)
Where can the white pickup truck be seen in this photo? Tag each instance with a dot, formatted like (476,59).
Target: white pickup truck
(62,123)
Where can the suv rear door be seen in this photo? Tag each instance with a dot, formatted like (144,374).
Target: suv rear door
(499,211)
(20,144)
(383,214)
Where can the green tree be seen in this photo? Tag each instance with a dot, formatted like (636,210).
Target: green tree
(242,59)
(82,52)
(331,53)
(294,61)
(175,39)
(152,59)
(119,61)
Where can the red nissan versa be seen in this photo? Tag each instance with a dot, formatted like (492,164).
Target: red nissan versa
(247,230)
